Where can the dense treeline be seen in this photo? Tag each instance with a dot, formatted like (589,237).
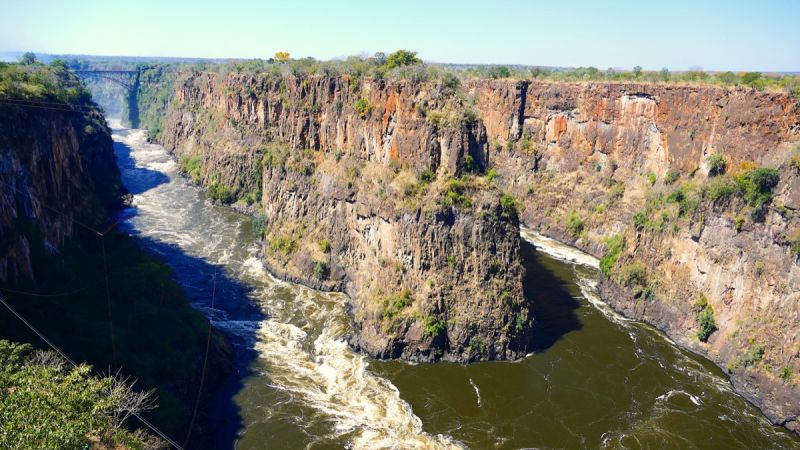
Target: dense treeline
(36,81)
(404,64)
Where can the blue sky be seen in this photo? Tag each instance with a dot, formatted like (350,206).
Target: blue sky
(715,35)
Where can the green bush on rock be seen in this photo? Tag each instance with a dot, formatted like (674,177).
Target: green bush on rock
(614,246)
(705,319)
(220,193)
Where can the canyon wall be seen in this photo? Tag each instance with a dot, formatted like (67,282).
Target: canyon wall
(360,192)
(56,169)
(92,295)
(356,175)
(630,162)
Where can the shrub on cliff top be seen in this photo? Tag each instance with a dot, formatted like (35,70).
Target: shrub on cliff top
(47,404)
(450,81)
(402,58)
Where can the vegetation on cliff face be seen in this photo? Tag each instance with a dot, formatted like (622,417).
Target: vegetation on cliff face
(415,187)
(642,191)
(153,97)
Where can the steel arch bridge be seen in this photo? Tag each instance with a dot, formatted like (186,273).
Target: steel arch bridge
(128,80)
(125,78)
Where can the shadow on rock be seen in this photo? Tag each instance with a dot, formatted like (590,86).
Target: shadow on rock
(553,306)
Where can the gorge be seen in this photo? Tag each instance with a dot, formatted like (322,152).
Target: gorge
(620,170)
(361,236)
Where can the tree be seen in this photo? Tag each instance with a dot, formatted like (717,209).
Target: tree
(380,58)
(498,72)
(402,58)
(664,74)
(637,71)
(28,58)
(282,56)
(751,78)
(727,77)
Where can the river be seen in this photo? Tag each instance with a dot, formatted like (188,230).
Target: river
(596,380)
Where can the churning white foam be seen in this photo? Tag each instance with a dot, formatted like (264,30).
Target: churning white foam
(587,282)
(477,392)
(302,342)
(328,376)
(557,249)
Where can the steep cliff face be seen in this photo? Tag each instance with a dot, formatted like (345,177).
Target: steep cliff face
(56,169)
(359,193)
(623,171)
(91,295)
(630,163)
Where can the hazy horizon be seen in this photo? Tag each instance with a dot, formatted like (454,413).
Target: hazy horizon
(713,35)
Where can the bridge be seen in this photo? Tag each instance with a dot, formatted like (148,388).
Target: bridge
(128,79)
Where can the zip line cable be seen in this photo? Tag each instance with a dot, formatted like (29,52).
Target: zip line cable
(105,269)
(44,103)
(69,360)
(38,333)
(108,302)
(27,105)
(205,363)
(47,295)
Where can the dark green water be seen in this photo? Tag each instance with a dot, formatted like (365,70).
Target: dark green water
(596,380)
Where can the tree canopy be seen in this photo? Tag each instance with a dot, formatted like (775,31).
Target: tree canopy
(402,58)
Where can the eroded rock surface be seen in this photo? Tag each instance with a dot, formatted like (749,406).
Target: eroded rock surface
(340,160)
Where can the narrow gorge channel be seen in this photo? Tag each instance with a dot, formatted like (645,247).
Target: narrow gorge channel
(595,379)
